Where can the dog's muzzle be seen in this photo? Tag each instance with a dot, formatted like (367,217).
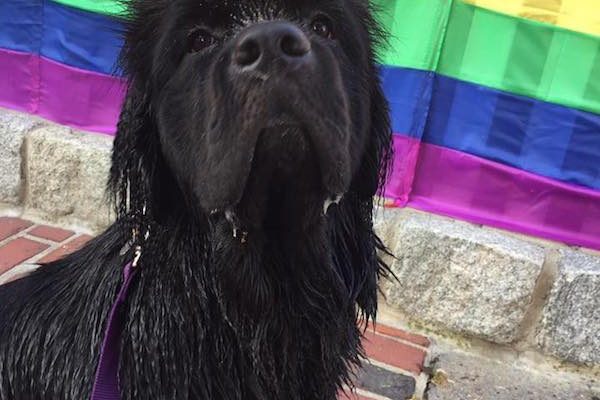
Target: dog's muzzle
(278,105)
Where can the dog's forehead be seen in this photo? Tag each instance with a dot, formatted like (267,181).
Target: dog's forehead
(258,8)
(289,4)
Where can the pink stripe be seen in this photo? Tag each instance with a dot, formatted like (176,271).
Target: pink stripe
(406,156)
(474,189)
(70,96)
(15,86)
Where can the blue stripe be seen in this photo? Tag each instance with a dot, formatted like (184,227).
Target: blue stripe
(544,138)
(61,33)
(409,93)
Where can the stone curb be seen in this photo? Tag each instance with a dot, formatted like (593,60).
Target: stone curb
(570,327)
(13,128)
(55,173)
(456,275)
(463,280)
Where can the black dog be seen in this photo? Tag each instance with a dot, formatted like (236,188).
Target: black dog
(249,150)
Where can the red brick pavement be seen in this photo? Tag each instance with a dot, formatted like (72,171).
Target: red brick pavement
(49,233)
(23,242)
(17,251)
(67,248)
(10,226)
(393,352)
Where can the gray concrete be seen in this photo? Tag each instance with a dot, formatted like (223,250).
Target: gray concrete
(571,319)
(460,277)
(66,176)
(13,128)
(471,377)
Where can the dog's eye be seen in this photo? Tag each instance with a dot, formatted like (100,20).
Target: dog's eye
(200,39)
(323,26)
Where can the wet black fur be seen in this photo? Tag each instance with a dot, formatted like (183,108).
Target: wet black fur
(211,316)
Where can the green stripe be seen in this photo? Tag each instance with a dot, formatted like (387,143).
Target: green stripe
(109,7)
(416,31)
(477,45)
(593,88)
(496,50)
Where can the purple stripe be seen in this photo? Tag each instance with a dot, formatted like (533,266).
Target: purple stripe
(81,99)
(15,92)
(467,187)
(406,157)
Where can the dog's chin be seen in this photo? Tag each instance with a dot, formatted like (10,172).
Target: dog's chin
(284,190)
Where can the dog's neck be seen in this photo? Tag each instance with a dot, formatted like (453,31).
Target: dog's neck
(273,299)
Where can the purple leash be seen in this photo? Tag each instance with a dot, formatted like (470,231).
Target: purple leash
(106,383)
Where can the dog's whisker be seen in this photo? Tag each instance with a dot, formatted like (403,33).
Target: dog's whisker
(329,202)
(237,232)
(231,217)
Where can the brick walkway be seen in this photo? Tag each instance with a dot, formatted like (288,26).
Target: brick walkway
(24,243)
(396,357)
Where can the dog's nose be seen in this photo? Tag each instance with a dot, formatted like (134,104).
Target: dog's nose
(266,42)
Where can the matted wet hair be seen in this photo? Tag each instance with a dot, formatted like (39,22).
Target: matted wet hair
(263,296)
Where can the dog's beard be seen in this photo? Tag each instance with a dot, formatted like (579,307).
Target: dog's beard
(255,270)
(269,290)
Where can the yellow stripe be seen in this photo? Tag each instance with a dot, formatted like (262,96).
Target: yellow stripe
(577,15)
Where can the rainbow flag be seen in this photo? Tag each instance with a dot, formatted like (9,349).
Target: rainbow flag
(495,103)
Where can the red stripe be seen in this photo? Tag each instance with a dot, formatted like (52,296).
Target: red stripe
(67,95)
(467,187)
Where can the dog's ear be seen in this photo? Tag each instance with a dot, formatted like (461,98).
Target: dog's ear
(367,262)
(134,153)
(358,249)
(378,154)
